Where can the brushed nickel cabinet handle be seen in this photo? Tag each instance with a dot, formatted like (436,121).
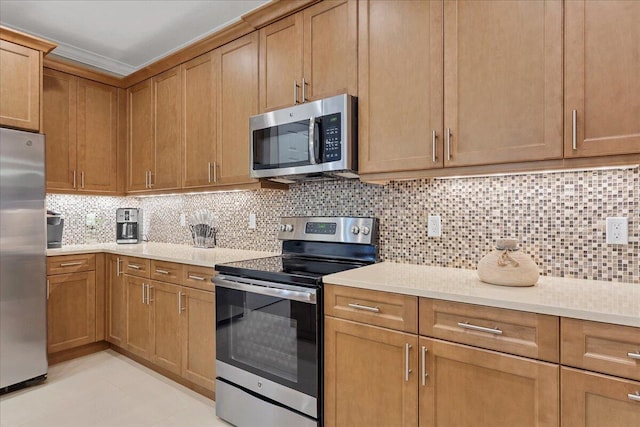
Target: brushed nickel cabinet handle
(149,300)
(69,264)
(365,308)
(179,302)
(635,397)
(134,266)
(466,325)
(74,179)
(81,179)
(161,271)
(407,371)
(448,143)
(304,90)
(150,179)
(423,362)
(191,276)
(433,146)
(295,92)
(48,289)
(208,171)
(118,271)
(144,293)
(215,172)
(634,355)
(574,129)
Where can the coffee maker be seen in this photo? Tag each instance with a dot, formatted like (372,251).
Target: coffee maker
(128,225)
(55,224)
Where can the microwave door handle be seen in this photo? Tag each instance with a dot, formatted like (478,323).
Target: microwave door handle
(312,141)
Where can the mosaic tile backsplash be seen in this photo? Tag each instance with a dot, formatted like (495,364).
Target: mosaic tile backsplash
(558,218)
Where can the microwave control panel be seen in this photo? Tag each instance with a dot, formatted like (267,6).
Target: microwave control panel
(332,134)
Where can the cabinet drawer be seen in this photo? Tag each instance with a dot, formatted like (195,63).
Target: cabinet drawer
(136,266)
(166,271)
(384,309)
(70,263)
(601,347)
(198,277)
(510,331)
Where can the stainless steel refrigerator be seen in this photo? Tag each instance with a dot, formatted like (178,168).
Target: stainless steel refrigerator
(23,274)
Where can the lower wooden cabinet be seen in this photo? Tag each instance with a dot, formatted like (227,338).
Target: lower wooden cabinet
(170,325)
(467,386)
(370,375)
(198,337)
(71,308)
(593,400)
(138,317)
(165,301)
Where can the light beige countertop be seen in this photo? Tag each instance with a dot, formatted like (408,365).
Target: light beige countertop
(183,254)
(600,301)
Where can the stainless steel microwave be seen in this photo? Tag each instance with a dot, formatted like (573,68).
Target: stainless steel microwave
(314,140)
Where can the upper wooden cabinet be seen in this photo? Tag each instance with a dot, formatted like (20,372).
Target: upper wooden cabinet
(237,101)
(309,55)
(20,79)
(199,115)
(80,121)
(502,81)
(602,78)
(154,133)
(400,85)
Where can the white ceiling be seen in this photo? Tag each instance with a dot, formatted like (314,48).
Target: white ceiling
(121,36)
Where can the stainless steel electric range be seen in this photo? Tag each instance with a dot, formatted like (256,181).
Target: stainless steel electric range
(269,321)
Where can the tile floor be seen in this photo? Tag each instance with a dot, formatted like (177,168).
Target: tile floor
(106,389)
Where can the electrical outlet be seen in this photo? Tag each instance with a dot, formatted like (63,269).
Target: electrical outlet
(183,220)
(617,231)
(434,228)
(252,221)
(90,219)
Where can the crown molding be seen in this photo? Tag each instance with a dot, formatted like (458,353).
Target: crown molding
(27,40)
(86,57)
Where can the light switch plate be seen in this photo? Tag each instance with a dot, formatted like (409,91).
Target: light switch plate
(617,231)
(90,219)
(252,221)
(434,226)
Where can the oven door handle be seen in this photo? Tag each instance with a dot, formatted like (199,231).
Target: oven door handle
(247,286)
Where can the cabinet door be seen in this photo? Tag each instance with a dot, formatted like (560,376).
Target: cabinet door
(198,337)
(367,379)
(140,161)
(199,117)
(165,301)
(466,386)
(116,300)
(166,115)
(281,63)
(503,81)
(238,100)
(19,86)
(59,126)
(593,400)
(399,85)
(331,49)
(97,136)
(137,317)
(71,317)
(602,83)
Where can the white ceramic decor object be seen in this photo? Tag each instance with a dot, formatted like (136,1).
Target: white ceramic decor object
(508,266)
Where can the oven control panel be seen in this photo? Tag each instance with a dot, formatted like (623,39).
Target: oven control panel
(362,230)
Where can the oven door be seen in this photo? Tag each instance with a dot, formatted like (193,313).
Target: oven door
(267,340)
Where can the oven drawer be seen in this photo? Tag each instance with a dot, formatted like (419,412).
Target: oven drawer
(601,347)
(136,266)
(198,277)
(165,271)
(65,264)
(384,309)
(510,331)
